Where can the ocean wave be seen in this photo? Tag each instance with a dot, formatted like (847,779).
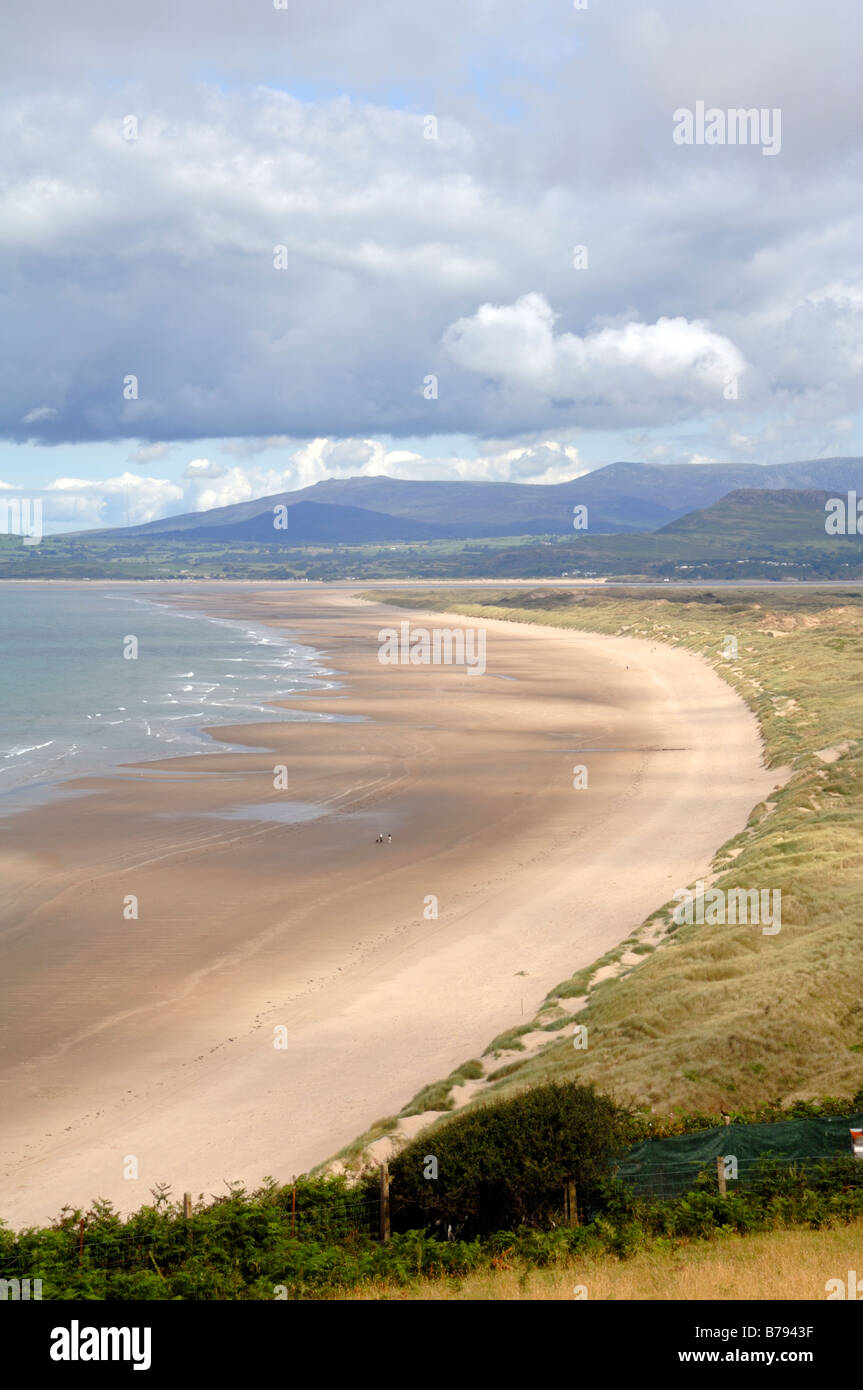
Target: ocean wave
(33,748)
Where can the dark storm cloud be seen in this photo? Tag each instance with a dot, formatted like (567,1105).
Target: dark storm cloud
(411,258)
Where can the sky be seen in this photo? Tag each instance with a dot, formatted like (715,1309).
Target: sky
(247,247)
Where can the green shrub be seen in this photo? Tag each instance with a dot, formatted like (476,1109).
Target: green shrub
(246,1244)
(506,1164)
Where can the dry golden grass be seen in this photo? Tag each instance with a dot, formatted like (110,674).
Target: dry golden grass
(793,1264)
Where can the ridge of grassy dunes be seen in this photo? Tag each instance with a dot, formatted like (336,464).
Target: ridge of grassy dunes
(699,1018)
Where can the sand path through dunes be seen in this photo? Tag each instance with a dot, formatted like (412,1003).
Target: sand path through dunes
(154,1039)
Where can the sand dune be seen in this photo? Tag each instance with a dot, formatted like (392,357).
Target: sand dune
(153,1038)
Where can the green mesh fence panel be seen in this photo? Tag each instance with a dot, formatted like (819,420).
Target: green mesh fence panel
(665,1167)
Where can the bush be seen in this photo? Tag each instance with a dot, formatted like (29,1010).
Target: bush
(505,1165)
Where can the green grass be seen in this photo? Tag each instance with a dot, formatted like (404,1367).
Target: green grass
(434,1097)
(509,1041)
(438,1095)
(468,1071)
(159,557)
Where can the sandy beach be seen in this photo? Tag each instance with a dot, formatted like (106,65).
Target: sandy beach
(153,1038)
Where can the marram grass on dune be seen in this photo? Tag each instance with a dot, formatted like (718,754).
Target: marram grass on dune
(703,1017)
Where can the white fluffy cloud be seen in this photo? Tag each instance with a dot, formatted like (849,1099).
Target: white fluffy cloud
(125,500)
(203,468)
(684,364)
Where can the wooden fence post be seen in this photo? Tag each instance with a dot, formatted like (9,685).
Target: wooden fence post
(720,1177)
(385,1201)
(187,1206)
(81,1240)
(570,1204)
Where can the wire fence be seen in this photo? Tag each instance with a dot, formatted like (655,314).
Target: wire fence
(95,1244)
(91,1244)
(339,1220)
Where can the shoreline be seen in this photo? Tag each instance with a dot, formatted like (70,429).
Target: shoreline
(155,728)
(250,925)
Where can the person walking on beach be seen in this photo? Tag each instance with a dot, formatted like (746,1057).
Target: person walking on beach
(389,839)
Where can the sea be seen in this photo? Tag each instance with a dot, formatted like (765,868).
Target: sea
(73,704)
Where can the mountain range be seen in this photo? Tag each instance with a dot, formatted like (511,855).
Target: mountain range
(620,498)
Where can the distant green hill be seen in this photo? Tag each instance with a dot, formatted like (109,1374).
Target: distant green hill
(749,519)
(748,533)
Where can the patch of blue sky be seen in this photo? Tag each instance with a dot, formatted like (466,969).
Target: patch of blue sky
(495,88)
(318,89)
